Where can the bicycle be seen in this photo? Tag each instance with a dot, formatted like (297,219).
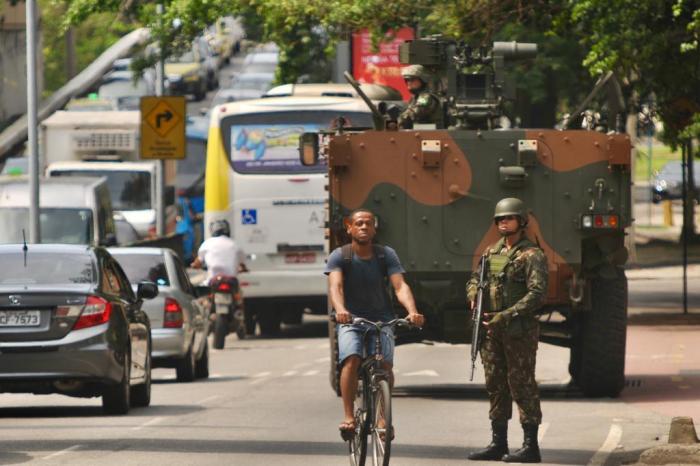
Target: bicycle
(373,401)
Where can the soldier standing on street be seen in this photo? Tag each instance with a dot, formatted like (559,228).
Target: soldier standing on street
(517,284)
(424,106)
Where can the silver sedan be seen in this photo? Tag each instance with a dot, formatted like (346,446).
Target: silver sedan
(179,318)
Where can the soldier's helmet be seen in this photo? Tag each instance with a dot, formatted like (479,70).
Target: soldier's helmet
(511,206)
(416,71)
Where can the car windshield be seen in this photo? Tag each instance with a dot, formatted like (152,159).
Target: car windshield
(186,57)
(123,88)
(129,190)
(251,84)
(268,142)
(46,268)
(57,225)
(144,268)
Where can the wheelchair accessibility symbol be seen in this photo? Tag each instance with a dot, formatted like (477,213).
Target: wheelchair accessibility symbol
(249,216)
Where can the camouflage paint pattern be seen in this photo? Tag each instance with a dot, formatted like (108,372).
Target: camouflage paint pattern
(509,367)
(434,191)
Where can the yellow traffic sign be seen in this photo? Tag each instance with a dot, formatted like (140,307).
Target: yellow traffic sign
(163,127)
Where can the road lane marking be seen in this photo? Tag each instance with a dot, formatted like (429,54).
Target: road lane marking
(300,365)
(543,430)
(300,347)
(150,422)
(684,387)
(260,377)
(311,372)
(289,373)
(611,442)
(208,399)
(62,452)
(425,373)
(323,359)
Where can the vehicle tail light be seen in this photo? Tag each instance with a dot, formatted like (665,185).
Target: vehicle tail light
(223,286)
(95,312)
(173,314)
(600,221)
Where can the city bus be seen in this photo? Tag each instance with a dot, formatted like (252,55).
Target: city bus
(275,205)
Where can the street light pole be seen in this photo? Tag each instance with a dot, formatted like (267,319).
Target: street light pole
(32,123)
(160,172)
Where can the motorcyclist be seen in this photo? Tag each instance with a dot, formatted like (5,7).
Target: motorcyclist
(220,253)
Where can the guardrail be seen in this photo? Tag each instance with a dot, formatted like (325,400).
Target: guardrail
(16,133)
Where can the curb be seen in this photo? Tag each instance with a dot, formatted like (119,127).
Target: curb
(683,447)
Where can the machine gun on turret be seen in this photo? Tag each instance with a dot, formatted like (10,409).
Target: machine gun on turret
(471,80)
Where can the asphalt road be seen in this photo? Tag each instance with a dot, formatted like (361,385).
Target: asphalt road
(268,400)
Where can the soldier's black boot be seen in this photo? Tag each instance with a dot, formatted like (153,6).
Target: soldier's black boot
(498,446)
(530,452)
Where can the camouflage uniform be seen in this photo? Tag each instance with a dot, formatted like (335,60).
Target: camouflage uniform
(517,287)
(424,108)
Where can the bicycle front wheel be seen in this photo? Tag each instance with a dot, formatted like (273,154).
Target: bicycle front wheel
(382,430)
(358,443)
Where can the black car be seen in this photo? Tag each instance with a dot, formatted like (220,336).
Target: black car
(70,323)
(668,183)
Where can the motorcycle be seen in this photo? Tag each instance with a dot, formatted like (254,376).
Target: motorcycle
(228,306)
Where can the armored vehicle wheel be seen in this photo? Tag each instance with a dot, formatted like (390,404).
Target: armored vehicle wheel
(334,375)
(598,354)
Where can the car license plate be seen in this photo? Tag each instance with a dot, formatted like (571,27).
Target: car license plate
(300,258)
(20,318)
(222,298)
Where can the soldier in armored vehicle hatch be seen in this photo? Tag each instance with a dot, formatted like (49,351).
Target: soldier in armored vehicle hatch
(424,106)
(517,284)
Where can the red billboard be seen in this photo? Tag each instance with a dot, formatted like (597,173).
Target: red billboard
(380,66)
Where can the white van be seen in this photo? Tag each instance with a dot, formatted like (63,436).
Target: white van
(72,211)
(132,187)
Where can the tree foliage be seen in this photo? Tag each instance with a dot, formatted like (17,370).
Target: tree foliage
(652,45)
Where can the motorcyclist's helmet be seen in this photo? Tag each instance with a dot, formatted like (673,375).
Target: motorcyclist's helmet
(220,228)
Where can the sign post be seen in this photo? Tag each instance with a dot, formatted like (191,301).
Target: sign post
(162,138)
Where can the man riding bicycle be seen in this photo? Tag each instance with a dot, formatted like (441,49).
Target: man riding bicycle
(220,253)
(357,275)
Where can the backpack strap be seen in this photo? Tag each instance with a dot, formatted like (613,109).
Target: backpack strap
(379,253)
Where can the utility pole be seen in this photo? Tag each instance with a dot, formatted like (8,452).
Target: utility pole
(32,123)
(160,172)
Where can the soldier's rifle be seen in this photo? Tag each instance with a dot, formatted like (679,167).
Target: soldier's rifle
(478,312)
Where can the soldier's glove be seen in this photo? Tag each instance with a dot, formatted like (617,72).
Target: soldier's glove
(501,319)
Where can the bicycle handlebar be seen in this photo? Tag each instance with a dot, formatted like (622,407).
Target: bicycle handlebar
(379,325)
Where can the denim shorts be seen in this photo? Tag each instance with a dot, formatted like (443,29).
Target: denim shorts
(350,338)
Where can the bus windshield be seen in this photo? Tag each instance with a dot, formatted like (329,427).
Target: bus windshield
(268,142)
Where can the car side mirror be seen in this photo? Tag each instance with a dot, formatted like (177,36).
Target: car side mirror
(146,290)
(110,240)
(202,291)
(308,149)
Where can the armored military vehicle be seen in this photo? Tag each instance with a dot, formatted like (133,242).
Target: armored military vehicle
(434,191)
